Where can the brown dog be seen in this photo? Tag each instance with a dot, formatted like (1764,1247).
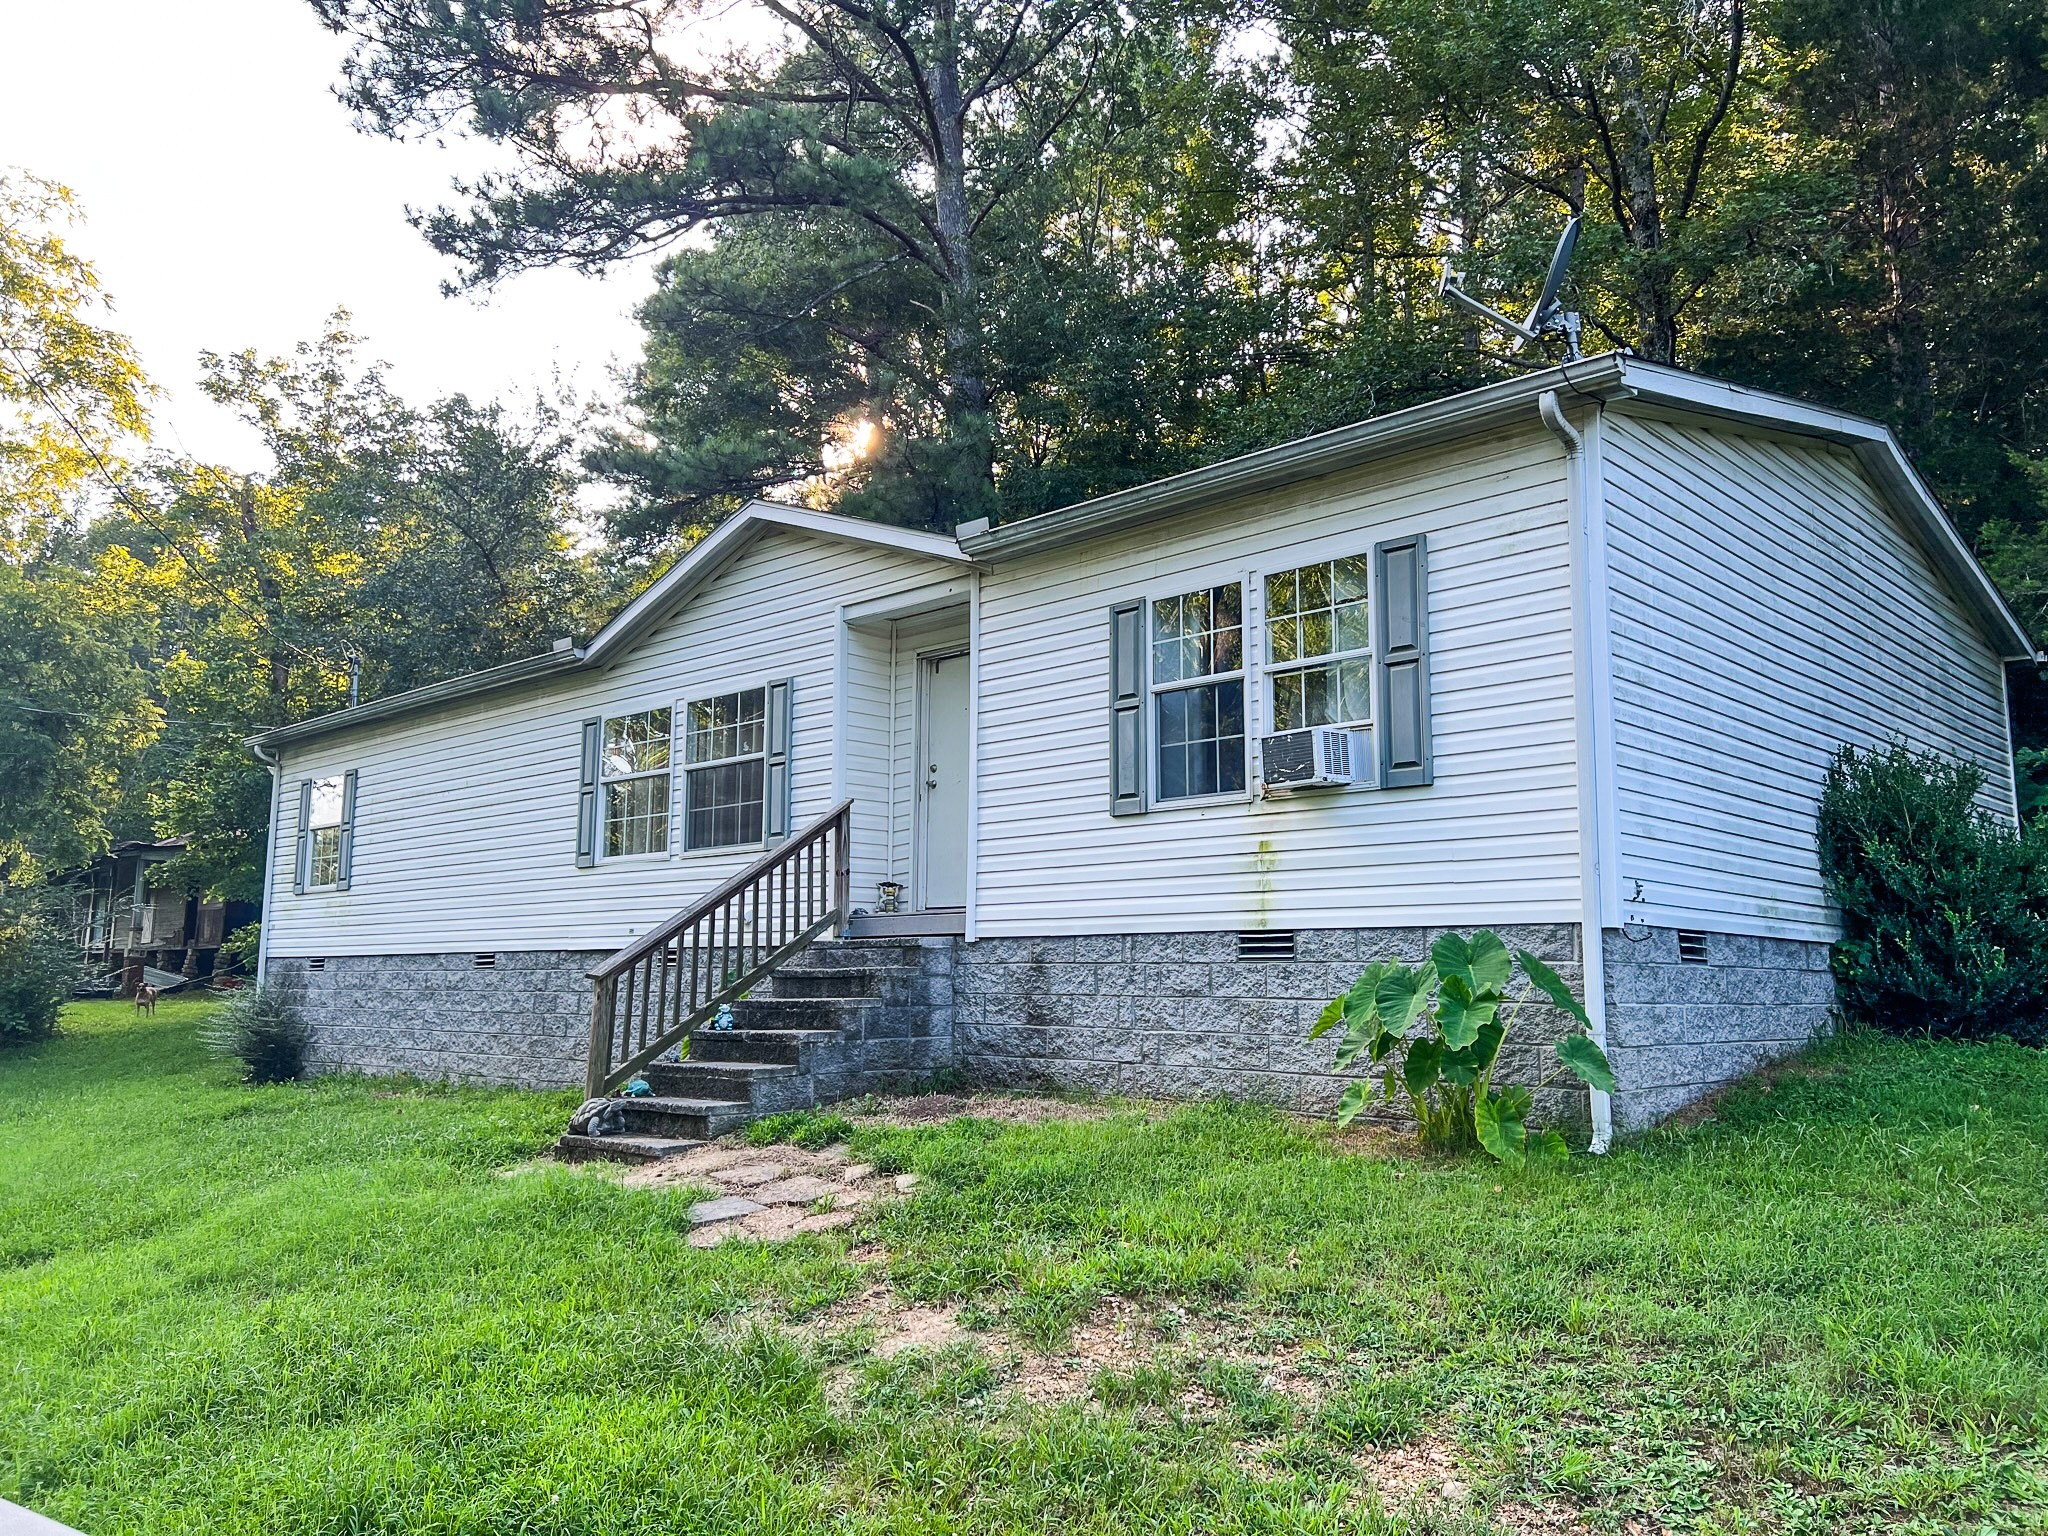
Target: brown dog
(145,998)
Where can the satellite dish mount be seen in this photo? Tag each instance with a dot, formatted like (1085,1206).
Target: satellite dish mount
(1546,319)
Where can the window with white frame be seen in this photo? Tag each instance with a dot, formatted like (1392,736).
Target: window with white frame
(325,803)
(633,772)
(1319,645)
(1198,694)
(725,752)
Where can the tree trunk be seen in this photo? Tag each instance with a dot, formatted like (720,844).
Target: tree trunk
(966,385)
(1652,299)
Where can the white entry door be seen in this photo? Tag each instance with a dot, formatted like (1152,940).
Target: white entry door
(941,782)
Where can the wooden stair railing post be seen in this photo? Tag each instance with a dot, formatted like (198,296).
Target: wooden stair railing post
(737,934)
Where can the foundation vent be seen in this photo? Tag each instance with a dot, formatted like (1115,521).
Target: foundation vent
(484,962)
(1692,947)
(1266,944)
(319,963)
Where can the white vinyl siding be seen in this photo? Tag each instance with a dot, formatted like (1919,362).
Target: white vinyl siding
(1494,840)
(919,636)
(469,842)
(1766,608)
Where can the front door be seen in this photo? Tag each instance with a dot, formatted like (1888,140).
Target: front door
(941,782)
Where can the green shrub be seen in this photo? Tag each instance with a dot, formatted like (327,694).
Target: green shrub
(37,969)
(262,1028)
(1942,903)
(238,951)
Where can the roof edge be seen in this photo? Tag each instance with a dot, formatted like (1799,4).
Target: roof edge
(1600,378)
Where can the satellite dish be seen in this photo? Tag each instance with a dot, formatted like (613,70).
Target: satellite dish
(1546,317)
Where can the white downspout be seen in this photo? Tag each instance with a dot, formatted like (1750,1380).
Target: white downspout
(276,767)
(1592,935)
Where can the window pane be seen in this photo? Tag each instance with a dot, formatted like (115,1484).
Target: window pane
(1355,680)
(325,857)
(1227,605)
(731,725)
(1201,740)
(1348,577)
(1198,634)
(725,805)
(636,743)
(1166,661)
(1315,587)
(636,816)
(1166,618)
(1354,629)
(1315,633)
(1280,593)
(1283,640)
(326,811)
(1287,701)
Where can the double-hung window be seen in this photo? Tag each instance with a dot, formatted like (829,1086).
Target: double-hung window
(1198,693)
(634,779)
(323,834)
(1319,645)
(725,751)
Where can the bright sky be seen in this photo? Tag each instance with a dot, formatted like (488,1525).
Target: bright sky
(230,202)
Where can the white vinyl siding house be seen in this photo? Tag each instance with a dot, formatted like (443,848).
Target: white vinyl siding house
(1494,839)
(467,815)
(1569,654)
(1768,607)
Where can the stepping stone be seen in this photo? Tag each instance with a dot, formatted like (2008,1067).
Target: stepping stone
(750,1174)
(857,1172)
(726,1208)
(712,1236)
(906,1182)
(801,1190)
(781,1221)
(825,1221)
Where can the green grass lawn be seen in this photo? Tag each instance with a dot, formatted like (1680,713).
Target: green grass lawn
(321,1308)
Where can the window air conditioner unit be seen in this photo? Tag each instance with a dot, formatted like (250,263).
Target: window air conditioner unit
(1321,757)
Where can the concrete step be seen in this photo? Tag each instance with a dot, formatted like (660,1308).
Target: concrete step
(621,1149)
(700,1079)
(692,1118)
(868,954)
(801,1012)
(855,981)
(782,1046)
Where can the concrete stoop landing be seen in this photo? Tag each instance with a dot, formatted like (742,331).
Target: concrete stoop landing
(843,1018)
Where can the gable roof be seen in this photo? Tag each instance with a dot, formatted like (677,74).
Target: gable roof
(670,591)
(1611,377)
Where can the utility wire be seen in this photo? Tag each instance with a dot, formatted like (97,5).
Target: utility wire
(141,510)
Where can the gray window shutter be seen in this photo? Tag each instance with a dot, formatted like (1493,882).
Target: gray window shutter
(302,849)
(346,862)
(781,725)
(1127,709)
(586,798)
(1401,596)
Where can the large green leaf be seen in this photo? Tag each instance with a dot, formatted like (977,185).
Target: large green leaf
(1459,1015)
(1487,1046)
(1328,1019)
(1501,1130)
(1547,1147)
(1553,986)
(1480,962)
(1404,994)
(1357,1038)
(1587,1061)
(1422,1066)
(1356,1097)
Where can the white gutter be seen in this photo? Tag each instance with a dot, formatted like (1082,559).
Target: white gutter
(276,766)
(1588,572)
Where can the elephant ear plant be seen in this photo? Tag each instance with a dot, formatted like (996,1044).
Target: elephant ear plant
(1454,1014)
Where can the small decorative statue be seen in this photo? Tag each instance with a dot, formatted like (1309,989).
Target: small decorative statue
(888,897)
(723,1018)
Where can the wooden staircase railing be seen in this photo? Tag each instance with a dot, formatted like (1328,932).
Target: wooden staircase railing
(655,991)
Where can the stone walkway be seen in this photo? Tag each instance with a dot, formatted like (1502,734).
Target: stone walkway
(769,1192)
